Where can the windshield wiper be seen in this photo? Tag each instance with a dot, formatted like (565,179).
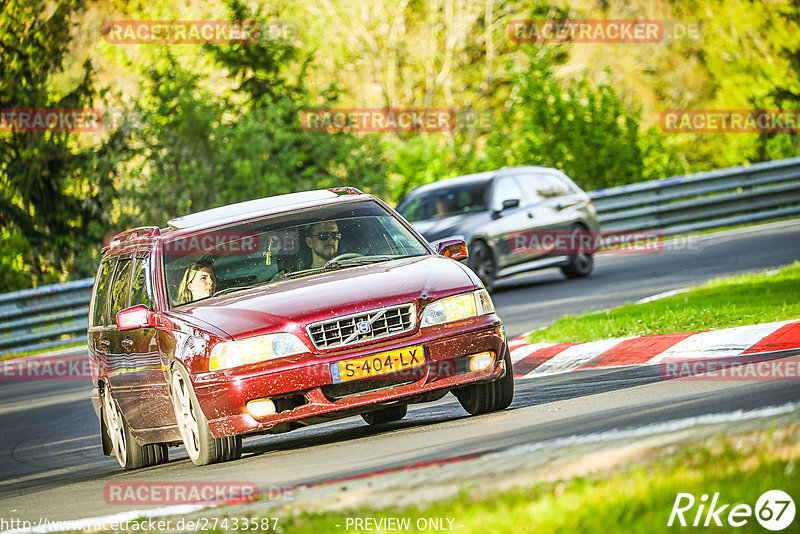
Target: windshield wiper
(232,289)
(361,260)
(340,264)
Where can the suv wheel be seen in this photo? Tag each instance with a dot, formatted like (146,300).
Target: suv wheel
(201,446)
(129,454)
(481,261)
(489,396)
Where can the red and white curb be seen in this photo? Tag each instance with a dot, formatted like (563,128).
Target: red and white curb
(540,359)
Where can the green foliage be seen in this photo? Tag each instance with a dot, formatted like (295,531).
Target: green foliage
(580,129)
(202,149)
(52,191)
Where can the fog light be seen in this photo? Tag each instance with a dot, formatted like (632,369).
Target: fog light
(261,407)
(481,361)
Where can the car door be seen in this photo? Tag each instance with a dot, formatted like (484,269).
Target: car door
(548,198)
(507,222)
(147,370)
(99,341)
(119,342)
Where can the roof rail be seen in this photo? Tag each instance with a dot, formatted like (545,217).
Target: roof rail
(135,233)
(345,190)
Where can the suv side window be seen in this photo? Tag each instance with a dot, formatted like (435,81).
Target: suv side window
(557,185)
(119,288)
(141,292)
(505,188)
(534,185)
(98,312)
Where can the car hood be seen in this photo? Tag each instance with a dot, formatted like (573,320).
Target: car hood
(290,305)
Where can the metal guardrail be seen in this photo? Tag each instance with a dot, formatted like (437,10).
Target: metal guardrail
(737,195)
(45,317)
(57,315)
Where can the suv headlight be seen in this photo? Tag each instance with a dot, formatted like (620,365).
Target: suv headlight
(254,349)
(457,307)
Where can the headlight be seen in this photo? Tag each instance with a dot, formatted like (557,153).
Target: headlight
(457,307)
(254,349)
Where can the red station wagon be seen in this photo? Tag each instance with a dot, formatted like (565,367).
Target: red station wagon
(274,314)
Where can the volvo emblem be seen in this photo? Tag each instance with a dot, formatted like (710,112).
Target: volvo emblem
(363,326)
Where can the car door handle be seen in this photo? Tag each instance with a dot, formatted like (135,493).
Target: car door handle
(127,343)
(530,215)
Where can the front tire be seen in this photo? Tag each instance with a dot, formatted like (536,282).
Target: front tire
(385,415)
(489,396)
(130,455)
(202,447)
(481,261)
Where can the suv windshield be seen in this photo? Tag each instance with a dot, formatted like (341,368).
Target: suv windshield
(445,202)
(227,259)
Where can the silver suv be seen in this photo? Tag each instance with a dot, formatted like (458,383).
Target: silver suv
(514,219)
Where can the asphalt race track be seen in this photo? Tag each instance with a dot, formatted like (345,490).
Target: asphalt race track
(51,463)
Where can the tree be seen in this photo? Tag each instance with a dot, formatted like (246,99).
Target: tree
(202,149)
(53,194)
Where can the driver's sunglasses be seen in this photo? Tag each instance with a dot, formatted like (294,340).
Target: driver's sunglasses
(324,236)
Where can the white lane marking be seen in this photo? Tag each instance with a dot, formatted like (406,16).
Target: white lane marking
(526,350)
(719,343)
(574,356)
(663,295)
(104,522)
(653,429)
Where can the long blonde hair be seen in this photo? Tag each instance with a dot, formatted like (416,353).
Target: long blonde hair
(184,295)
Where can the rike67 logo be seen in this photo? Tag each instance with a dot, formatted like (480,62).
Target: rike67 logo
(774,510)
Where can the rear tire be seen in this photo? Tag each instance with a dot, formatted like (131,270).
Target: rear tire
(489,396)
(385,415)
(481,261)
(580,264)
(130,455)
(201,446)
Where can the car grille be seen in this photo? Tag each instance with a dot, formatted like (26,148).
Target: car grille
(335,392)
(364,326)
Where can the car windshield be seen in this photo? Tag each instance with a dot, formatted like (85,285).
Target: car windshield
(289,246)
(446,202)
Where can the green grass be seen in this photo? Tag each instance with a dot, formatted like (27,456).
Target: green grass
(720,303)
(638,499)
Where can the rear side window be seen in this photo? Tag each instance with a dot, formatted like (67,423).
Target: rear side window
(141,292)
(101,291)
(119,287)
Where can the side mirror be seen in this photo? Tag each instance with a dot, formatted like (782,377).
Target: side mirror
(139,316)
(507,205)
(455,248)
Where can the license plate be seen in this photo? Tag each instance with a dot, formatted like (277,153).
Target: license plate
(377,364)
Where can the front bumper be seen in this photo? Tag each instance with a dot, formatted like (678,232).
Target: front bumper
(304,392)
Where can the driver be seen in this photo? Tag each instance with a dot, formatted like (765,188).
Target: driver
(323,240)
